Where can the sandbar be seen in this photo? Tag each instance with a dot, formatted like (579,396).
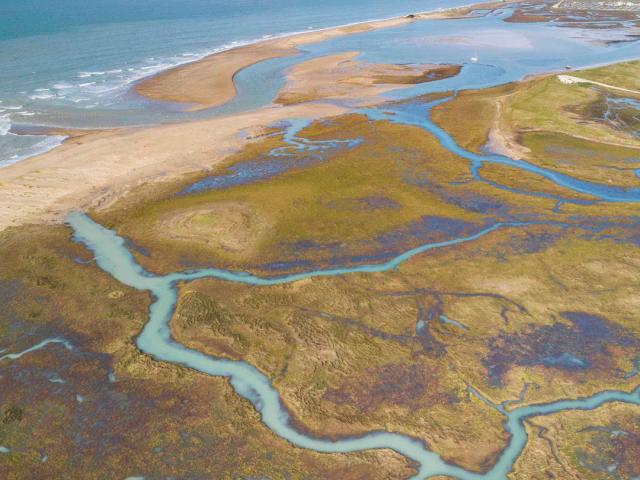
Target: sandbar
(208,82)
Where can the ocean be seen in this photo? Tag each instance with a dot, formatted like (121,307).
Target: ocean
(71,63)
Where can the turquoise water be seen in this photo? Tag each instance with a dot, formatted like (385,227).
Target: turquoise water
(451,321)
(505,51)
(155,339)
(298,152)
(414,113)
(38,346)
(72,62)
(417,114)
(75,69)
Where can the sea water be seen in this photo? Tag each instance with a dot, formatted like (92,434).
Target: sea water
(71,63)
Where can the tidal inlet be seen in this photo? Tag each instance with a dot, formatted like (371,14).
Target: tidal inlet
(301,240)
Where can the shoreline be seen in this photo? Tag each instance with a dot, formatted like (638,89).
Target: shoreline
(209,81)
(224,85)
(95,169)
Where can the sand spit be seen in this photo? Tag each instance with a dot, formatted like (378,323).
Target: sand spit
(208,82)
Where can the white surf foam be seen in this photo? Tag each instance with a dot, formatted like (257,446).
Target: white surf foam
(41,144)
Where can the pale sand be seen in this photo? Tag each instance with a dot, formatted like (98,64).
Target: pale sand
(501,139)
(340,76)
(209,82)
(570,79)
(93,170)
(504,141)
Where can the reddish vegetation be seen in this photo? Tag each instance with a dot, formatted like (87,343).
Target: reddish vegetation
(627,453)
(410,386)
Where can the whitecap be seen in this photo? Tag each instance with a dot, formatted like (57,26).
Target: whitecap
(44,145)
(5,124)
(41,96)
(62,86)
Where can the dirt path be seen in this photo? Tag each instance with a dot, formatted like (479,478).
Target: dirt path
(570,79)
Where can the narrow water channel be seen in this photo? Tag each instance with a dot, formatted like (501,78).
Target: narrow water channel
(155,339)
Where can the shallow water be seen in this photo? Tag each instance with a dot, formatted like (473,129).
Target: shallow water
(505,52)
(417,113)
(451,321)
(97,62)
(71,63)
(279,160)
(38,346)
(617,105)
(155,339)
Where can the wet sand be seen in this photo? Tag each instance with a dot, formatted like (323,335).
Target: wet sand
(95,168)
(209,82)
(342,77)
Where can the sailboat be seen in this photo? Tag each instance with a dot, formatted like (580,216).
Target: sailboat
(474,59)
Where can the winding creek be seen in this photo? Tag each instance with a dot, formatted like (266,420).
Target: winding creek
(112,256)
(417,114)
(279,159)
(257,86)
(155,339)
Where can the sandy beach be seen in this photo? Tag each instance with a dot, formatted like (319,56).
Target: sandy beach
(93,169)
(342,77)
(208,82)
